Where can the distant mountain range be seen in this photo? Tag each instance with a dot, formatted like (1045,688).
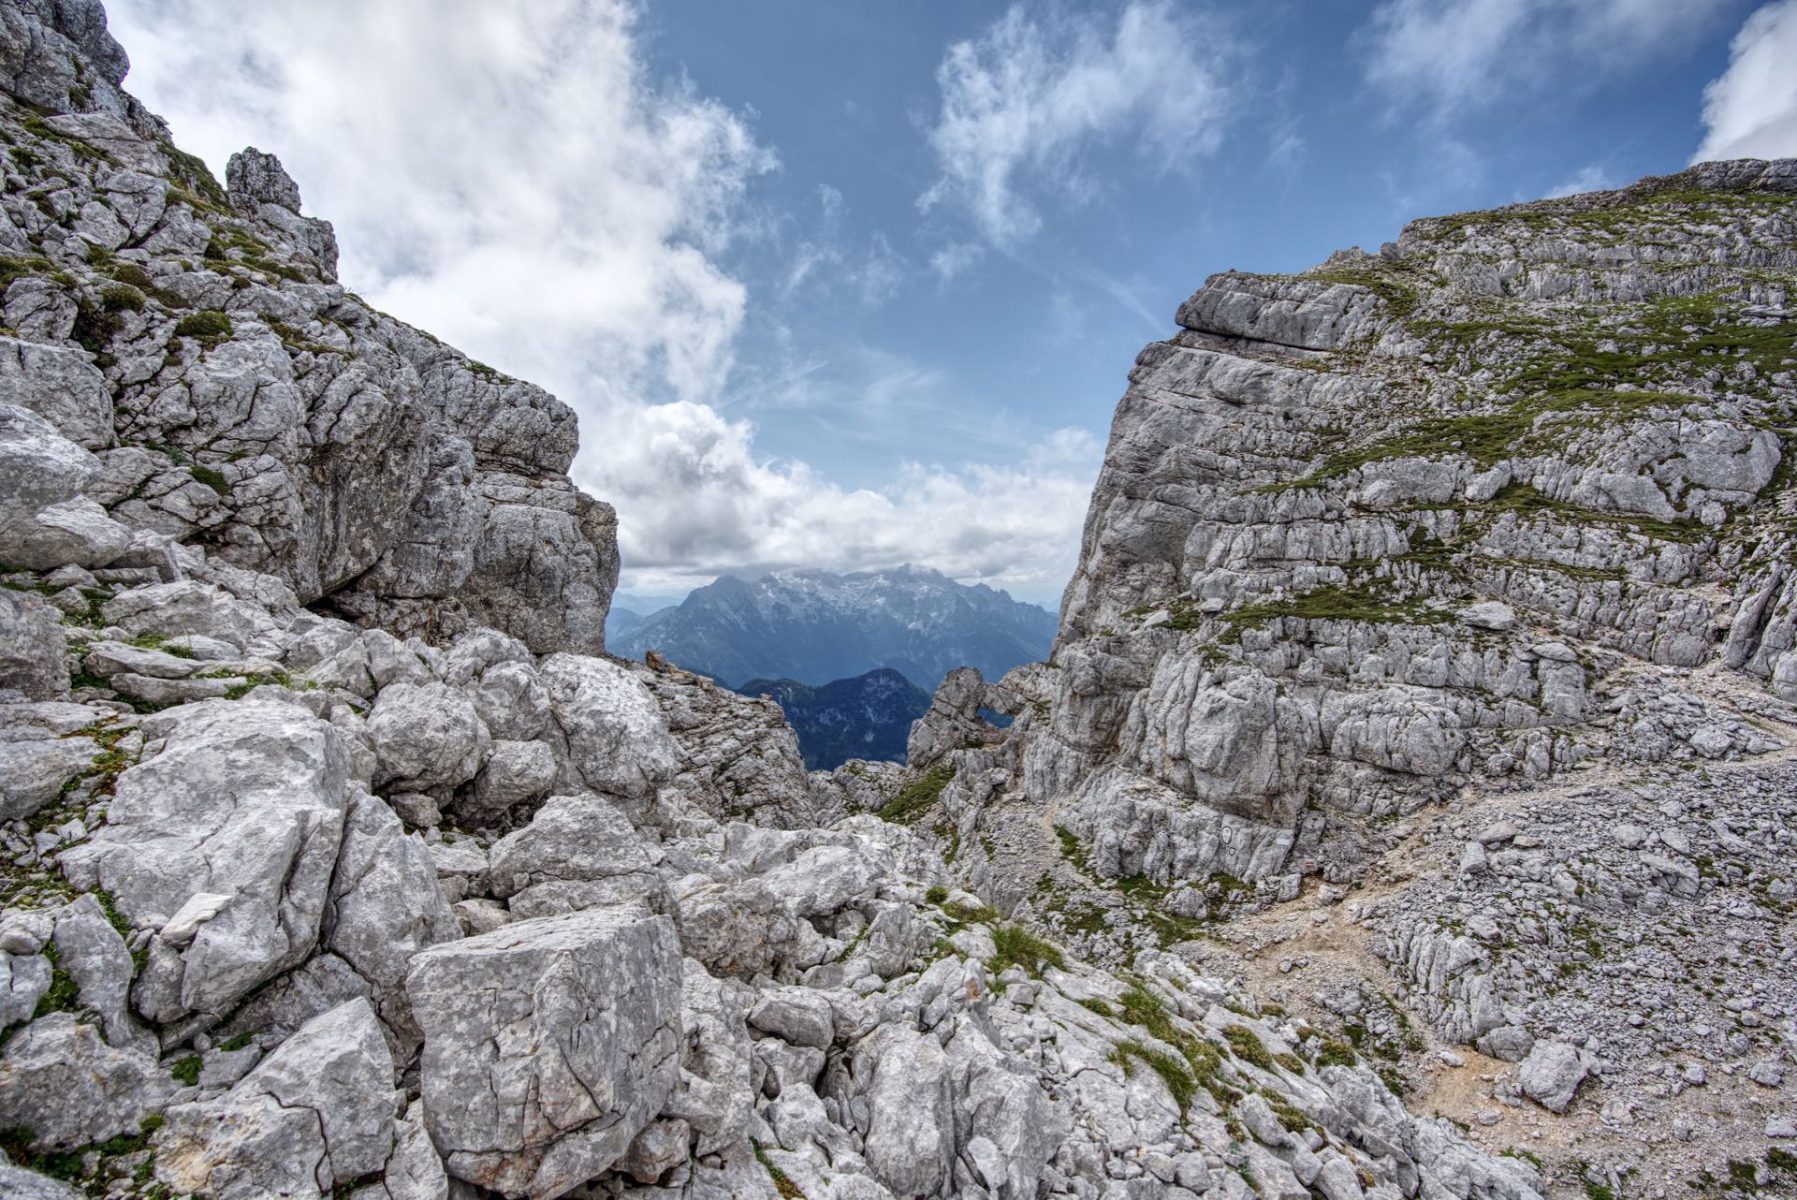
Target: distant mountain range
(621,623)
(868,716)
(815,627)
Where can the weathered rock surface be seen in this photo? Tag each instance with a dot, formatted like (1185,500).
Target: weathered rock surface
(548,1045)
(316,1113)
(1414,535)
(245,799)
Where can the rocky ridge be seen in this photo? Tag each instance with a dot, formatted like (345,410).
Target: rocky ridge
(1430,664)
(339,860)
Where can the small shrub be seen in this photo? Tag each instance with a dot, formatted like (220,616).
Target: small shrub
(94,327)
(187,1070)
(208,325)
(1247,1046)
(63,990)
(1173,1073)
(121,297)
(134,276)
(211,478)
(786,1187)
(936,895)
(1019,947)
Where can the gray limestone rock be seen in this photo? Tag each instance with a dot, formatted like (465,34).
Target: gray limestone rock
(514,773)
(1551,1074)
(253,179)
(59,1079)
(317,1112)
(577,852)
(618,743)
(31,649)
(601,987)
(245,798)
(384,904)
(99,962)
(426,735)
(60,385)
(33,773)
(21,1184)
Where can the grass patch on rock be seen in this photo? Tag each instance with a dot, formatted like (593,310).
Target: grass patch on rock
(916,796)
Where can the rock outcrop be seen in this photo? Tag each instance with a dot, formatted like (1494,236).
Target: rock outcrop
(233,395)
(1455,575)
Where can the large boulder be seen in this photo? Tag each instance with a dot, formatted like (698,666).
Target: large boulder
(426,735)
(62,386)
(62,1082)
(45,522)
(1551,1075)
(38,466)
(245,800)
(548,1045)
(385,904)
(98,961)
(617,741)
(189,607)
(317,1112)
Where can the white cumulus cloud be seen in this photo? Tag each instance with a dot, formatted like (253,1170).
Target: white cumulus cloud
(1013,526)
(1452,54)
(507,174)
(1750,110)
(1023,102)
(501,173)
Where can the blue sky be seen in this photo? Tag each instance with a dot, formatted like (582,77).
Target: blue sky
(1037,335)
(848,285)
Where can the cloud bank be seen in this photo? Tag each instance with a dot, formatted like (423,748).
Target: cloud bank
(506,174)
(1750,111)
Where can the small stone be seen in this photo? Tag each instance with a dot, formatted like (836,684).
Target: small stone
(1551,1075)
(1493,615)
(1498,832)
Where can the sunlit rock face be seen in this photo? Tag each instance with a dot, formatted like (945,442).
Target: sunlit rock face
(1418,517)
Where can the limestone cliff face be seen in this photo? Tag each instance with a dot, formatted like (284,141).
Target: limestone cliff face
(235,396)
(1414,518)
